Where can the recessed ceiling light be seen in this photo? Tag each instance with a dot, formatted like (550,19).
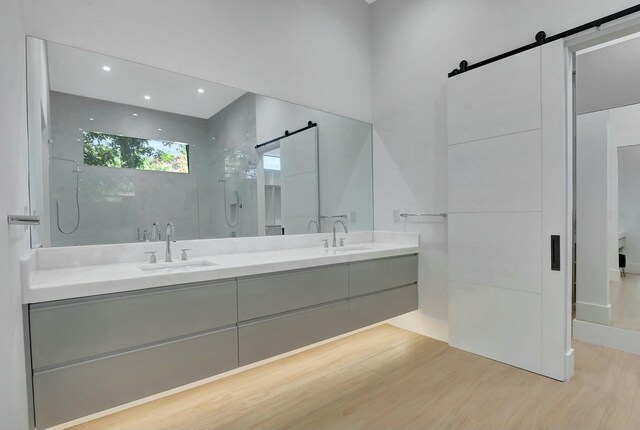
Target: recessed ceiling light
(213,138)
(135,114)
(201,90)
(106,68)
(78,140)
(79,129)
(90,119)
(147,97)
(159,129)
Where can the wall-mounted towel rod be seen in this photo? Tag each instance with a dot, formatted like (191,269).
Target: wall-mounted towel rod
(407,215)
(23,219)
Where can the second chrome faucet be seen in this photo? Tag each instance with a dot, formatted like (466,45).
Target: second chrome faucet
(344,226)
(170,237)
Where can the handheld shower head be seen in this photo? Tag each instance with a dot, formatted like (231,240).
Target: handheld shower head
(77,171)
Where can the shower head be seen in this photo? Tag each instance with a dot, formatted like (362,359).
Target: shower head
(78,169)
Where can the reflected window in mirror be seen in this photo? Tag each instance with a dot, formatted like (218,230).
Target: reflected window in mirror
(117,151)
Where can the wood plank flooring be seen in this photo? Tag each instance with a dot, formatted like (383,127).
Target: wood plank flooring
(388,378)
(625,302)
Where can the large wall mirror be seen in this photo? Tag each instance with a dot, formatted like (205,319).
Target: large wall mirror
(118,148)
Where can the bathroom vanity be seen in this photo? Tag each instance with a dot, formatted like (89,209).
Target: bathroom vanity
(103,335)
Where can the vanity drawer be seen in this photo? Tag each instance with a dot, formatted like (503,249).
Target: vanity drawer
(71,392)
(377,275)
(373,308)
(77,329)
(268,295)
(269,337)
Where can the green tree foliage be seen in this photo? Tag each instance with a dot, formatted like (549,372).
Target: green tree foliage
(110,150)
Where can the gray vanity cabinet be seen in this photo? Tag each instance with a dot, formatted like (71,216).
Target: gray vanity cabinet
(294,309)
(84,388)
(382,274)
(72,330)
(272,336)
(94,353)
(259,296)
(373,308)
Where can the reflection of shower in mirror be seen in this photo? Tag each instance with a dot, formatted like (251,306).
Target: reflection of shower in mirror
(237,203)
(77,171)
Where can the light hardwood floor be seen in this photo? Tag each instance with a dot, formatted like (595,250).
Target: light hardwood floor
(625,302)
(388,378)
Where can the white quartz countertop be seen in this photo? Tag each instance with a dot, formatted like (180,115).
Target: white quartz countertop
(87,280)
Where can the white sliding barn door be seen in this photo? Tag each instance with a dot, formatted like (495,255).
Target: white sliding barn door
(507,163)
(300,184)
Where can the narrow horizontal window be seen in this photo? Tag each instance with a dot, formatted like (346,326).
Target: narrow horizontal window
(123,152)
(271,163)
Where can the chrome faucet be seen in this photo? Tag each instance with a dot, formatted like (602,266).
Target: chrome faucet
(313,221)
(171,233)
(155,231)
(344,226)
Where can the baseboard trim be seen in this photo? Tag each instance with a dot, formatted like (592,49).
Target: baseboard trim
(568,364)
(604,335)
(592,312)
(614,275)
(633,268)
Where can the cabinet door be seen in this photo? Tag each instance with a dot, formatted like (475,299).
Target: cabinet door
(266,338)
(72,330)
(377,307)
(71,392)
(376,275)
(268,295)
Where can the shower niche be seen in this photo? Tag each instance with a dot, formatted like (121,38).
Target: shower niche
(117,148)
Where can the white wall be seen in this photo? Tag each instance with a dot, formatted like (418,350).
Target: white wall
(624,136)
(415,43)
(316,53)
(13,199)
(629,204)
(608,77)
(592,217)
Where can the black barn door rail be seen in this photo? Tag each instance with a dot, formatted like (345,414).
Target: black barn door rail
(541,39)
(288,133)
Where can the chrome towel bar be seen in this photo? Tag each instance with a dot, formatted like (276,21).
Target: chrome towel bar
(23,219)
(407,215)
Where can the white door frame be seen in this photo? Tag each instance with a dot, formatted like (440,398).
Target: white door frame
(623,339)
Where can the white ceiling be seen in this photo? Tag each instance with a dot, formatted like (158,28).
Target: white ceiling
(81,73)
(369,1)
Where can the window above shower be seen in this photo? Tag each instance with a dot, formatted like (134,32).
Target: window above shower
(115,146)
(124,152)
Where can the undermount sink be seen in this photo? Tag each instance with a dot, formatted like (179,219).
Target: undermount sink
(350,248)
(176,266)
